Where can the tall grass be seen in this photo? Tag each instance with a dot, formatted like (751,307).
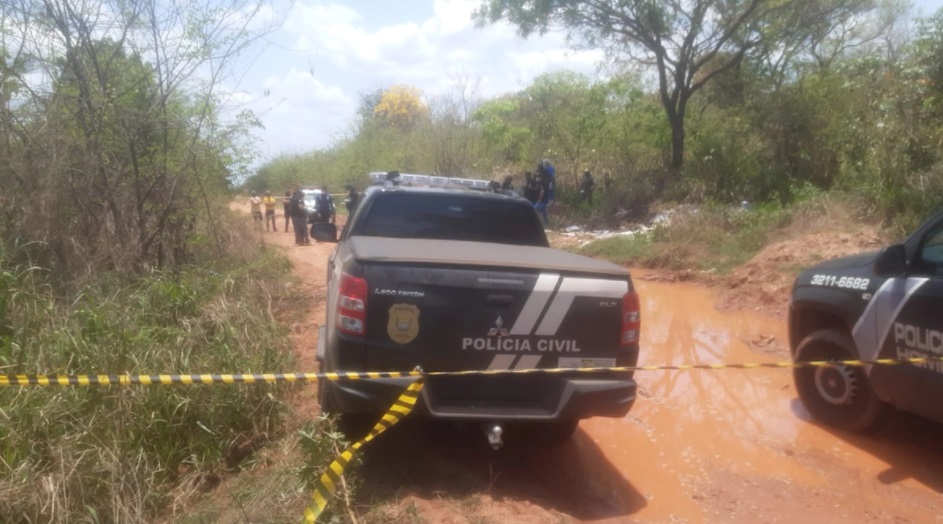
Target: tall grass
(130,454)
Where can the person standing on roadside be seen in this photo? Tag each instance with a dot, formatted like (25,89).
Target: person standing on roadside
(551,173)
(325,205)
(256,203)
(587,186)
(286,209)
(269,202)
(299,217)
(545,184)
(531,188)
(352,199)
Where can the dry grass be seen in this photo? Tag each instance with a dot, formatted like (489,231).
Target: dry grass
(718,239)
(111,454)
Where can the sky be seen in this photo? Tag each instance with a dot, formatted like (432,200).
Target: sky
(305,78)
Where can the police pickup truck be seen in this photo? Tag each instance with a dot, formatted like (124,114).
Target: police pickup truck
(448,278)
(887,304)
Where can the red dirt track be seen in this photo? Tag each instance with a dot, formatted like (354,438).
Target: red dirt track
(699,446)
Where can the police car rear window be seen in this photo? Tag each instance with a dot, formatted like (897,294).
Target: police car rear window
(453,217)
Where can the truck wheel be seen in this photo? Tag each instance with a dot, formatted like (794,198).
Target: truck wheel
(840,396)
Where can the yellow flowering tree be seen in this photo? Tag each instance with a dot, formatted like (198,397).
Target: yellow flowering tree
(401,106)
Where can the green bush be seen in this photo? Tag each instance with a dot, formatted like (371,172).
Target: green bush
(114,453)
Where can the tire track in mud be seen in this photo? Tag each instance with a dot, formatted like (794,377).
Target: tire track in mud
(713,446)
(703,446)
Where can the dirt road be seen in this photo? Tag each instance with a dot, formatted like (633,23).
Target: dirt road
(704,446)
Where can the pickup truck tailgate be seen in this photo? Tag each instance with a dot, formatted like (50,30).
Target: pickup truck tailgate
(450,319)
(468,306)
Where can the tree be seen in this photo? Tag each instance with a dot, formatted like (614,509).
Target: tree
(117,129)
(675,38)
(928,55)
(402,106)
(366,104)
(498,130)
(450,125)
(569,114)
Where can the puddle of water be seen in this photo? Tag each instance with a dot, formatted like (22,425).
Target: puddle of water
(690,428)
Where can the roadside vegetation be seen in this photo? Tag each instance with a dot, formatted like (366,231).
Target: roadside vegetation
(118,254)
(802,112)
(716,239)
(128,454)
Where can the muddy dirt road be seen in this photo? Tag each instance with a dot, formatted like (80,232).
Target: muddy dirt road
(702,446)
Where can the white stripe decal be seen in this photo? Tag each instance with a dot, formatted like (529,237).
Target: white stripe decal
(913,284)
(535,304)
(528,362)
(871,322)
(502,362)
(867,318)
(572,288)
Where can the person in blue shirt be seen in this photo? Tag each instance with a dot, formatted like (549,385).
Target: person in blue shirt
(546,183)
(325,207)
(552,174)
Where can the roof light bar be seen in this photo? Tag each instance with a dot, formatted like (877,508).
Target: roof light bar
(409,179)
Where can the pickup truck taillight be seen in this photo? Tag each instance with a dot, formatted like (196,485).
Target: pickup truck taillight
(352,306)
(631,318)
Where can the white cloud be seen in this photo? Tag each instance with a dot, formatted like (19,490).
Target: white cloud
(421,52)
(453,16)
(352,52)
(300,111)
(534,62)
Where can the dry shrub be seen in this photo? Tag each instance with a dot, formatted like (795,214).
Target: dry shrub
(111,453)
(718,239)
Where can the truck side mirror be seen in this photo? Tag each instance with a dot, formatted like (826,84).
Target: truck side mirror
(892,262)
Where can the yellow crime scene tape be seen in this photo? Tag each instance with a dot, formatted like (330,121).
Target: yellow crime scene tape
(327,484)
(201,378)
(253,378)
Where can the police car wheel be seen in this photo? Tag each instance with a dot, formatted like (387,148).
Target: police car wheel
(838,396)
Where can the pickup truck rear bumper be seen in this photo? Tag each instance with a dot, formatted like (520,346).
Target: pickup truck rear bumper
(505,398)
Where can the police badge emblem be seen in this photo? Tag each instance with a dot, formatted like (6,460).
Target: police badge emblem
(403,326)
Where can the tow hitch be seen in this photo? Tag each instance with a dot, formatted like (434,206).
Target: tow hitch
(494,431)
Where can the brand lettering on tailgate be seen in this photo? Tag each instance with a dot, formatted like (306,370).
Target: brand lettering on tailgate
(398,293)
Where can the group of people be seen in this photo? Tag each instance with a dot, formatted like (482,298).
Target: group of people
(268,201)
(540,187)
(295,212)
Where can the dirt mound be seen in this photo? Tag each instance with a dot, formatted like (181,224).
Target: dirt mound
(764,283)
